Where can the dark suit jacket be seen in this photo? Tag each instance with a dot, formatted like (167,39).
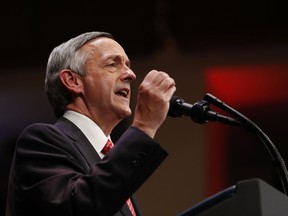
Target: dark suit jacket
(56,171)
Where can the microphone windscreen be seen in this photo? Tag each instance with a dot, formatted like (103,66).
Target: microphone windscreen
(174,108)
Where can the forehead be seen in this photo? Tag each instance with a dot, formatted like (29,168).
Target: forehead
(104,47)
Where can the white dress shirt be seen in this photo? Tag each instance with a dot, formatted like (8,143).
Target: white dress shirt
(90,129)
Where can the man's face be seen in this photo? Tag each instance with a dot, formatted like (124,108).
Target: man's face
(106,87)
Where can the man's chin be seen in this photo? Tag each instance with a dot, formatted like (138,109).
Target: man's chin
(124,113)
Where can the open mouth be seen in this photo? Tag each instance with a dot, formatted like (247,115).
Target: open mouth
(122,93)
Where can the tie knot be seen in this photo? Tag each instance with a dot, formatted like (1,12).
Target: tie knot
(108,146)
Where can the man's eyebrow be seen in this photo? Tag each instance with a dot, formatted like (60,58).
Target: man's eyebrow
(119,57)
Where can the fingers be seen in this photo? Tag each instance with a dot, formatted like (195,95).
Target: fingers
(152,105)
(159,82)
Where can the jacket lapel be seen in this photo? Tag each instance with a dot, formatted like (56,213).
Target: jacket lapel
(89,153)
(79,140)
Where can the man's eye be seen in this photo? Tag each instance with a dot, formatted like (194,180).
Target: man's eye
(113,64)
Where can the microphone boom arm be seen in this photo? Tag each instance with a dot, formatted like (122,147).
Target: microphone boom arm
(251,126)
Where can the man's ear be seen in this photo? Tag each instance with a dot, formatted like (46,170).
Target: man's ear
(71,80)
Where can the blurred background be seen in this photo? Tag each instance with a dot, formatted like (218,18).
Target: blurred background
(236,50)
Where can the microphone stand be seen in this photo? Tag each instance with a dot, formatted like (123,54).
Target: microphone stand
(251,126)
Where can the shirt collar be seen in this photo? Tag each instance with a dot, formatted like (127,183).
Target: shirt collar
(90,129)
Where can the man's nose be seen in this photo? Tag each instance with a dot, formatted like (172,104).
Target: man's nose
(129,75)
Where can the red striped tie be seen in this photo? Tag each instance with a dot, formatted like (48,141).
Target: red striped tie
(108,146)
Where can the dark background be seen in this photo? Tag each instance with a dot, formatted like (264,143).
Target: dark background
(30,29)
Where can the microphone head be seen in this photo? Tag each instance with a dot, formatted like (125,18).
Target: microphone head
(175,104)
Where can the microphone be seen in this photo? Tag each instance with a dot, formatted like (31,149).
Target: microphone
(199,112)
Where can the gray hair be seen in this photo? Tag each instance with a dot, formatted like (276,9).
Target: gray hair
(67,55)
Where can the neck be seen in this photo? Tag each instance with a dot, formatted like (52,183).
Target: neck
(106,125)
